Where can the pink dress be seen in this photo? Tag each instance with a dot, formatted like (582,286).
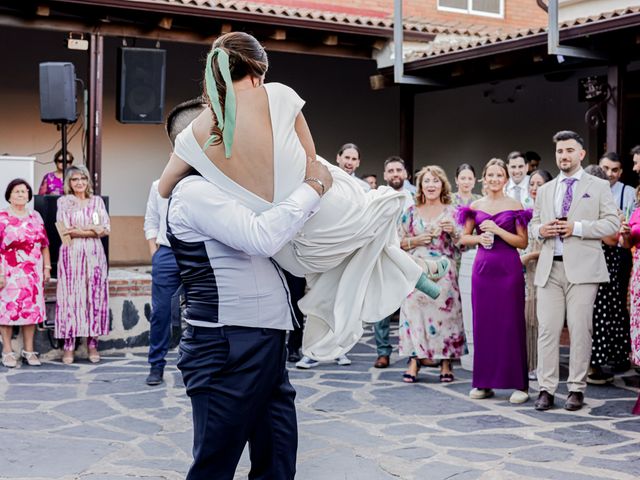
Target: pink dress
(21,242)
(634,292)
(82,308)
(51,185)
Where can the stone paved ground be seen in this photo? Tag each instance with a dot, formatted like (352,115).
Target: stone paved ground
(356,423)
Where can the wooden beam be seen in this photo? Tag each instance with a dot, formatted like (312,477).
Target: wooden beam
(615,77)
(407,127)
(43,10)
(119,30)
(279,34)
(331,40)
(166,23)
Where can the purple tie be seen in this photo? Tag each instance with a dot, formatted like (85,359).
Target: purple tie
(568,195)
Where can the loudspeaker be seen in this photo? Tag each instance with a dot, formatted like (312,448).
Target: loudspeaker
(140,91)
(47,207)
(58,92)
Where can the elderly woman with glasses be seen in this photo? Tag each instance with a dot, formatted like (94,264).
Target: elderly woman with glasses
(82,308)
(52,183)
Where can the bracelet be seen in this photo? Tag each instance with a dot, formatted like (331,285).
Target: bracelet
(316,180)
(408,242)
(47,267)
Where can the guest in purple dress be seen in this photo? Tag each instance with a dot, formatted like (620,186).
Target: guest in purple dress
(82,307)
(497,287)
(52,183)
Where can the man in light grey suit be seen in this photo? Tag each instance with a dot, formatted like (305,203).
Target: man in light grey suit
(573,212)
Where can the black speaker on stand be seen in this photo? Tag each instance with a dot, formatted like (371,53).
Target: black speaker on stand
(58,99)
(140,89)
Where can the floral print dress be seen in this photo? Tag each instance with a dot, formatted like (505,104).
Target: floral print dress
(430,328)
(51,185)
(21,242)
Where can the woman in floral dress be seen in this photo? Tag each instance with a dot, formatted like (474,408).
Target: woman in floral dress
(432,329)
(52,183)
(24,267)
(83,294)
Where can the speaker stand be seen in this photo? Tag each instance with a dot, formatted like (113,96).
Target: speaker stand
(62,126)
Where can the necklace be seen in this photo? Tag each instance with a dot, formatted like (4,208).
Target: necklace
(17,213)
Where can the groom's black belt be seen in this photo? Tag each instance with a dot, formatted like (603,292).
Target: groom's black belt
(557,258)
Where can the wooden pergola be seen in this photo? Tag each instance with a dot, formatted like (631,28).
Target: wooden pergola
(195,23)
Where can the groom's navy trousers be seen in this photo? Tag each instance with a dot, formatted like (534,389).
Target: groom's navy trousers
(240,392)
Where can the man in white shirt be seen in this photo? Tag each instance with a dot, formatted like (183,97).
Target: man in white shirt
(624,195)
(348,159)
(233,354)
(572,214)
(395,174)
(518,185)
(165,276)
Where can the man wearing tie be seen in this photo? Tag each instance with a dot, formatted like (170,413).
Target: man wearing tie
(518,185)
(573,212)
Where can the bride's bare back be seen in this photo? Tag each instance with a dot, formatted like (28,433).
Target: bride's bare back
(251,162)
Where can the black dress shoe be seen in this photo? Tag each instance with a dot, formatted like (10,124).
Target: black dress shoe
(574,402)
(155,377)
(544,401)
(294,357)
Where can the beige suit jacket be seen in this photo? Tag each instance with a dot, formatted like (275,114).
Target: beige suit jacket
(594,207)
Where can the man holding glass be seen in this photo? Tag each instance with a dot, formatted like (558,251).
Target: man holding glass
(573,212)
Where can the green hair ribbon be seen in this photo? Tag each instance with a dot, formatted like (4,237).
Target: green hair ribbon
(226,122)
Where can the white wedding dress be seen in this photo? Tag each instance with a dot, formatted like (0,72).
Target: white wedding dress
(349,251)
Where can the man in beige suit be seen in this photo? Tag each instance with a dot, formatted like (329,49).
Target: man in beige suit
(573,212)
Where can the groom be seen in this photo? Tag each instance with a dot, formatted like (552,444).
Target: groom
(572,214)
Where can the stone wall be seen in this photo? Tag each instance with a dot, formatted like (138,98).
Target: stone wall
(129,314)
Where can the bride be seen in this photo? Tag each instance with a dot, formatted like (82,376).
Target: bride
(253,142)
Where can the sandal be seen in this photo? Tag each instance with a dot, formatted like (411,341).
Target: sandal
(407,377)
(9,360)
(446,377)
(94,356)
(31,358)
(67,357)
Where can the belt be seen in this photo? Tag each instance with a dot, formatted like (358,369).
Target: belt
(557,258)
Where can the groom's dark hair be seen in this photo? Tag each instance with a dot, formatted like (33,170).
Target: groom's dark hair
(568,135)
(182,115)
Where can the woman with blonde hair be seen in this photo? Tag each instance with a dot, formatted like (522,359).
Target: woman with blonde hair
(432,329)
(497,287)
(82,296)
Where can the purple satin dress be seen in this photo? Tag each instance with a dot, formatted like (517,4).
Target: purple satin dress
(497,298)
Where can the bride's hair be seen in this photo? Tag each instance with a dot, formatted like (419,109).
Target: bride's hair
(246,57)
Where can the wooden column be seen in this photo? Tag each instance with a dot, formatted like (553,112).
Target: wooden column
(407,120)
(94,120)
(615,77)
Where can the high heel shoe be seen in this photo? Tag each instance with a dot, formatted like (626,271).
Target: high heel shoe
(407,377)
(94,356)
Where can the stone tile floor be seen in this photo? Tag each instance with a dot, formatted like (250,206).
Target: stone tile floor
(101,422)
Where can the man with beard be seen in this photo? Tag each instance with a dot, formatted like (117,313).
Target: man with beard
(573,213)
(395,174)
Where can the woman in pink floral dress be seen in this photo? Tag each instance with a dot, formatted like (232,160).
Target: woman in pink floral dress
(24,267)
(52,183)
(82,308)
(432,329)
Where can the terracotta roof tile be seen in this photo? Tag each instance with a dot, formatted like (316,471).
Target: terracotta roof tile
(282,10)
(443,45)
